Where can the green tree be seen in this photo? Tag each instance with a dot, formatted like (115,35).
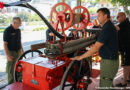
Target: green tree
(124,4)
(35,17)
(92,10)
(5,20)
(2,19)
(25,16)
(93,2)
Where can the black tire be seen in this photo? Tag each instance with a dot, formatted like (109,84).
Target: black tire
(82,69)
(18,75)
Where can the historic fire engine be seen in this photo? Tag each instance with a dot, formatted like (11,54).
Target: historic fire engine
(52,68)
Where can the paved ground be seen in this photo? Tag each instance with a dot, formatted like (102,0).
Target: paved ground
(28,38)
(95,81)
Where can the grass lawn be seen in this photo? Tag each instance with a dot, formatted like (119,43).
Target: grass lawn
(2,29)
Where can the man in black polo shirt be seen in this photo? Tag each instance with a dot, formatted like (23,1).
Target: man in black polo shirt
(12,46)
(107,45)
(124,46)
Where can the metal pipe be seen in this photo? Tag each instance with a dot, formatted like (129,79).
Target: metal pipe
(69,49)
(78,47)
(72,42)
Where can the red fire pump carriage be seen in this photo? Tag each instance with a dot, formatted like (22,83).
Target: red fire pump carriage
(54,67)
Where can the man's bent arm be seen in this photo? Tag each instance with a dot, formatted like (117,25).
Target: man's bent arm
(6,48)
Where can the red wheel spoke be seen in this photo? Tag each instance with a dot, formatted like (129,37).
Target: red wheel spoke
(84,11)
(62,25)
(65,24)
(66,9)
(57,23)
(55,11)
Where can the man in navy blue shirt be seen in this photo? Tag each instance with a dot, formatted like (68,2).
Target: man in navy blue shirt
(107,45)
(12,46)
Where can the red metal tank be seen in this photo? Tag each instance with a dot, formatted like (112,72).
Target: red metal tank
(42,73)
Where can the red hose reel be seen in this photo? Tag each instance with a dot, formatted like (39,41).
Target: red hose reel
(62,17)
(84,17)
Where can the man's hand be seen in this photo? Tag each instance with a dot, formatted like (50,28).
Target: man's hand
(78,58)
(117,27)
(22,51)
(51,34)
(10,58)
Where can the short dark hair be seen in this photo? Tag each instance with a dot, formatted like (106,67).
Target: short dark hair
(105,11)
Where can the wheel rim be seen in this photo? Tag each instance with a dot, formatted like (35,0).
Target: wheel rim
(18,75)
(85,17)
(76,76)
(58,17)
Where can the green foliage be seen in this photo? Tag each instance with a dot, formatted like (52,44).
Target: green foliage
(35,23)
(24,16)
(27,17)
(2,29)
(103,1)
(124,3)
(93,2)
(83,0)
(92,10)
(2,19)
(5,20)
(121,2)
(35,17)
(40,28)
